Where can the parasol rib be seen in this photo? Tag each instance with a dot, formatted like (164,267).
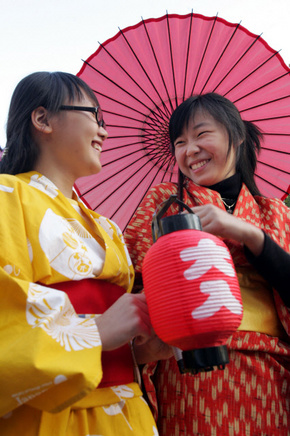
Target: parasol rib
(120,87)
(272,118)
(247,76)
(220,57)
(146,74)
(125,168)
(265,104)
(203,56)
(271,166)
(271,184)
(126,180)
(275,151)
(129,75)
(130,194)
(187,54)
(172,63)
(236,63)
(129,107)
(153,152)
(158,66)
(263,86)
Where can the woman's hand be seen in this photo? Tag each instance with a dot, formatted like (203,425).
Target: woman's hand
(127,318)
(154,349)
(220,223)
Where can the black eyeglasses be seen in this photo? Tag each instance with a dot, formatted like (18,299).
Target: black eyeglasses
(95,110)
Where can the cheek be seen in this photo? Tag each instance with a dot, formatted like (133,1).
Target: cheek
(179,155)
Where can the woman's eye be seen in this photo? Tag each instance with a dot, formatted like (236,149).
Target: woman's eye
(202,133)
(178,143)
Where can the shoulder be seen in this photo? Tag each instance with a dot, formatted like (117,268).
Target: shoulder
(155,196)
(143,215)
(10,186)
(275,216)
(30,189)
(273,205)
(18,181)
(8,180)
(162,191)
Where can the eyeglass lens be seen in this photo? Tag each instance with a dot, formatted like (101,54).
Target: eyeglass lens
(99,117)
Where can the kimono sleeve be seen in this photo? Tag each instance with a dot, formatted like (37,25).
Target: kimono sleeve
(49,356)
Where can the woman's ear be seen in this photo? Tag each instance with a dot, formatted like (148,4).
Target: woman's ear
(40,120)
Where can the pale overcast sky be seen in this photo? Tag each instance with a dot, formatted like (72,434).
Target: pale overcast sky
(55,35)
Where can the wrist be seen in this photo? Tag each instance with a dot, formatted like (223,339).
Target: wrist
(254,240)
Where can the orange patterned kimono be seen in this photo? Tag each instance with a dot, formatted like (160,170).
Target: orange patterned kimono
(252,395)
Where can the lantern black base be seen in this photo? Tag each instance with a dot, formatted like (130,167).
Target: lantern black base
(204,359)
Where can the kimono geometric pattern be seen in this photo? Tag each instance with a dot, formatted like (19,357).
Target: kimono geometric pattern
(50,357)
(251,396)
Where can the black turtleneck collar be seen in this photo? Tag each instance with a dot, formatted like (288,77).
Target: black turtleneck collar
(228,188)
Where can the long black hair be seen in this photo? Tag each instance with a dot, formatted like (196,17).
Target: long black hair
(46,89)
(244,136)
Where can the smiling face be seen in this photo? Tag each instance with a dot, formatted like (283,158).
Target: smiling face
(69,142)
(202,151)
(80,140)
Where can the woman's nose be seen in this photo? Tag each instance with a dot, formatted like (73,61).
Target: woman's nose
(103,132)
(192,148)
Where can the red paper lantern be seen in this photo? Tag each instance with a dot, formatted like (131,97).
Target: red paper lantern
(192,290)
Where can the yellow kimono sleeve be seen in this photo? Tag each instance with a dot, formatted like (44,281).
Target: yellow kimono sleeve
(49,356)
(47,351)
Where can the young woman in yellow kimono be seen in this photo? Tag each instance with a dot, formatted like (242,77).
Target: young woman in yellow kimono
(67,314)
(216,152)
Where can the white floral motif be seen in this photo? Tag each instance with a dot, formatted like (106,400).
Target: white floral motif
(115,409)
(52,311)
(106,224)
(43,184)
(6,188)
(12,270)
(30,250)
(69,247)
(32,392)
(123,391)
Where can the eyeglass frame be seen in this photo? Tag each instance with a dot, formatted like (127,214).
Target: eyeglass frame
(94,110)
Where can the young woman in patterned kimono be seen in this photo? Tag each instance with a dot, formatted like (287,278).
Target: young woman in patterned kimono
(217,153)
(67,312)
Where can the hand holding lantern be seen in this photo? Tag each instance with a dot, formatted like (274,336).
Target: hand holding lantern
(192,290)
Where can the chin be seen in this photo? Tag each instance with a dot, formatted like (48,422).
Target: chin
(89,173)
(95,169)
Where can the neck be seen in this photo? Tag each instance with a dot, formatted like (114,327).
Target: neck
(228,188)
(61,180)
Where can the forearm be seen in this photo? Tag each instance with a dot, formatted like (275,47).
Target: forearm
(253,238)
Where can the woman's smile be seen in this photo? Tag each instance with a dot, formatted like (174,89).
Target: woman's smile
(202,151)
(97,146)
(199,165)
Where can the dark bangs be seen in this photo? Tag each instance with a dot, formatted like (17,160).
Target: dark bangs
(221,109)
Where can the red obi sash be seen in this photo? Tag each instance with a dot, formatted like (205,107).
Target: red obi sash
(92,296)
